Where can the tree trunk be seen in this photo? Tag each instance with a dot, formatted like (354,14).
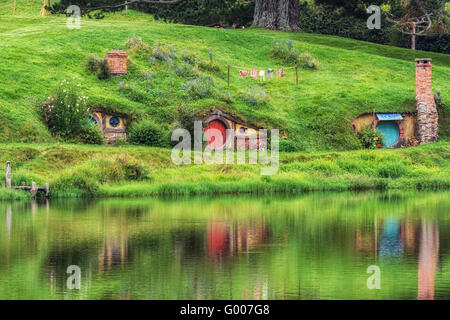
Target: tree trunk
(277,14)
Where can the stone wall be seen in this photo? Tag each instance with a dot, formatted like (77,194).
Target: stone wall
(427,116)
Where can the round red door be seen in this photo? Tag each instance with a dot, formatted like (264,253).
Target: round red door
(215,140)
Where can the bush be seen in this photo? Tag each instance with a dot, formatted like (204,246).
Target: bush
(185,70)
(136,45)
(200,88)
(163,53)
(211,65)
(255,97)
(146,132)
(133,170)
(98,66)
(66,113)
(393,170)
(285,51)
(104,72)
(189,58)
(92,63)
(91,134)
(306,60)
(370,138)
(75,183)
(286,145)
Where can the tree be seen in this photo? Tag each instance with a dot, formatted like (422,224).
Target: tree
(418,17)
(277,14)
(270,14)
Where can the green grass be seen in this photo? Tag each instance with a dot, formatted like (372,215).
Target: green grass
(36,53)
(8,194)
(101,171)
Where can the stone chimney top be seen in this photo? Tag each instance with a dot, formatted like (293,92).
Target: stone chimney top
(117,61)
(424,90)
(427,116)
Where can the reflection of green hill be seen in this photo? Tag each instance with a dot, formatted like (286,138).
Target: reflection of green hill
(314,246)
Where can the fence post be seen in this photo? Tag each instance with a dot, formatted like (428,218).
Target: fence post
(47,190)
(8,175)
(228,76)
(34,189)
(296,75)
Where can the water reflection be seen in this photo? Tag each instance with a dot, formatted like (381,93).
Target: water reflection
(428,258)
(315,246)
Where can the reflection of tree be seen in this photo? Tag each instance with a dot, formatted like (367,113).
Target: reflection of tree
(428,257)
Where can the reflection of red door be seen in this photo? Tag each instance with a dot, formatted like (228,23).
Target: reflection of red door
(217,239)
(216,140)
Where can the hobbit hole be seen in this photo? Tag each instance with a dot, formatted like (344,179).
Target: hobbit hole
(232,131)
(112,126)
(403,129)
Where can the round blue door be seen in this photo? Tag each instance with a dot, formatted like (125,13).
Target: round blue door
(390,132)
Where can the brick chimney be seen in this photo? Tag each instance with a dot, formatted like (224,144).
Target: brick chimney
(427,116)
(117,62)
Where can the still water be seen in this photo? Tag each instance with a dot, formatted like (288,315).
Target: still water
(313,246)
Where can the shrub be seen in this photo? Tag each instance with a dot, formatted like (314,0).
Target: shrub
(104,72)
(91,134)
(92,63)
(285,51)
(146,132)
(255,97)
(286,145)
(163,53)
(370,138)
(65,113)
(306,60)
(189,58)
(77,183)
(185,70)
(98,66)
(200,87)
(136,45)
(133,170)
(211,65)
(392,170)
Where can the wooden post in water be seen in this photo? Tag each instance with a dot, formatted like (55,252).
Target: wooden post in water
(296,75)
(34,189)
(8,175)
(228,76)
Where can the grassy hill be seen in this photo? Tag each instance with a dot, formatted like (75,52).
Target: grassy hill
(36,53)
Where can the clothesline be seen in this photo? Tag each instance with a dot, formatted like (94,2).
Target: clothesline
(245,68)
(254,73)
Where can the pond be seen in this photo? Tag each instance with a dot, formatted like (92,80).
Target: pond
(310,246)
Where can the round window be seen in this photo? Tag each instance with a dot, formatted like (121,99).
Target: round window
(92,121)
(114,122)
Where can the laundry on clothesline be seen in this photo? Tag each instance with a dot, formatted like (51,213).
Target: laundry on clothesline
(269,74)
(243,73)
(262,74)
